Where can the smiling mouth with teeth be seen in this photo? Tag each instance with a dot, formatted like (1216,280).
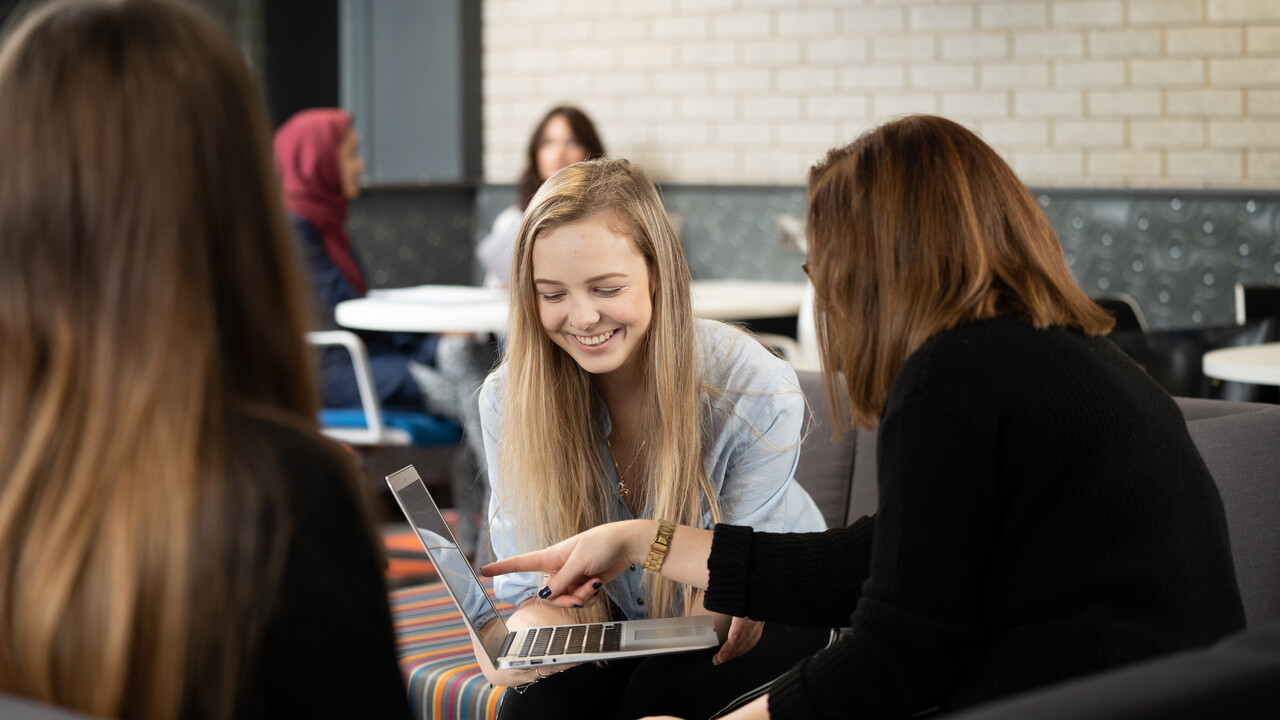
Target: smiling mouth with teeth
(595,339)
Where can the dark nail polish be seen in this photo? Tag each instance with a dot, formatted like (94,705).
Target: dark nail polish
(577,605)
(545,592)
(596,585)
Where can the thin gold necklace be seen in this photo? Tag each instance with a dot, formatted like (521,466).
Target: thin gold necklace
(622,474)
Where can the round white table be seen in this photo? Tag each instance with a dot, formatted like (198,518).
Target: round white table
(746,299)
(1258,364)
(427,308)
(460,308)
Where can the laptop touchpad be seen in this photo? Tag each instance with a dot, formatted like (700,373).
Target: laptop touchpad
(666,633)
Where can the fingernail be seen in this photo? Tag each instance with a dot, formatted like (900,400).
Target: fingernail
(545,592)
(596,585)
(577,605)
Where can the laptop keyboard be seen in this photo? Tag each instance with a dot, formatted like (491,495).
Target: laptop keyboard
(572,639)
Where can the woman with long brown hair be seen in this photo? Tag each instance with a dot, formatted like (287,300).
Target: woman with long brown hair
(175,537)
(1043,511)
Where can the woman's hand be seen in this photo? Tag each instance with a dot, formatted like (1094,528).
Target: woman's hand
(737,634)
(744,633)
(530,614)
(509,677)
(580,565)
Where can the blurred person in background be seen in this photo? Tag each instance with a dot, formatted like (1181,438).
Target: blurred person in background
(564,136)
(318,157)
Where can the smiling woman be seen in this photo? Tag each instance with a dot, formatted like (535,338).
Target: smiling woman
(613,403)
(600,318)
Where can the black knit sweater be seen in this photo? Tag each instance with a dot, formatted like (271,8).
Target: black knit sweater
(1043,514)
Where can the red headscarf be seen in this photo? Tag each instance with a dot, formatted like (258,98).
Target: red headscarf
(306,148)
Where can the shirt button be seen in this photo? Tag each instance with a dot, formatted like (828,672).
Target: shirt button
(632,568)
(640,600)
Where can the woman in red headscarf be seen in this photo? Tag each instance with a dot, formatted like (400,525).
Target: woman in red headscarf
(318,155)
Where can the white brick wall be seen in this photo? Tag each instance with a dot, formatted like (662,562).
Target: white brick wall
(1132,93)
(1089,135)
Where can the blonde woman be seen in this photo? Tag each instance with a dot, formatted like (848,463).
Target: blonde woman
(612,403)
(175,535)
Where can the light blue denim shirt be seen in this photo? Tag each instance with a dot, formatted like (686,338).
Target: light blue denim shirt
(756,424)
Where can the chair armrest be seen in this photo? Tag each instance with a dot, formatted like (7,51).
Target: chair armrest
(375,431)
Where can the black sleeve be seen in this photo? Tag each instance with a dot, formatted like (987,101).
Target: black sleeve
(917,616)
(330,647)
(802,579)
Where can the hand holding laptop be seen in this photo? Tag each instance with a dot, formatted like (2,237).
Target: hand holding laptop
(526,645)
(515,677)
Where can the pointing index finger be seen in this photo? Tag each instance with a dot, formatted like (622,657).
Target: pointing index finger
(528,562)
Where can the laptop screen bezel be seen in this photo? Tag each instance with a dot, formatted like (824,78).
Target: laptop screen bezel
(495,633)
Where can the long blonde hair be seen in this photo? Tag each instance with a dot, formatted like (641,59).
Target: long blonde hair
(149,294)
(551,429)
(915,227)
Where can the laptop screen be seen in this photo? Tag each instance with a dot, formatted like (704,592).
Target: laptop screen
(451,564)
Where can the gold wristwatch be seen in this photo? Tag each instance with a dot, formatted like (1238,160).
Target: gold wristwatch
(661,543)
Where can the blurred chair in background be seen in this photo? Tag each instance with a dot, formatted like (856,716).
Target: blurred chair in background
(1256,302)
(369,426)
(1124,308)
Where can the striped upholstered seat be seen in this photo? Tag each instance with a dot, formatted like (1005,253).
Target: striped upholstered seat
(436,656)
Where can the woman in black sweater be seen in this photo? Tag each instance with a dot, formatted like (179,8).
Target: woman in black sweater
(1043,512)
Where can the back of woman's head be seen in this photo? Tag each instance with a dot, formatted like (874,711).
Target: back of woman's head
(916,227)
(148,290)
(584,131)
(139,202)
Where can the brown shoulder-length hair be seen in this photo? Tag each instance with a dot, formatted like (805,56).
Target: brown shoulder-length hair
(150,301)
(583,129)
(915,227)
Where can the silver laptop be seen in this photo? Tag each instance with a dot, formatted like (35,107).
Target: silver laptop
(548,645)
